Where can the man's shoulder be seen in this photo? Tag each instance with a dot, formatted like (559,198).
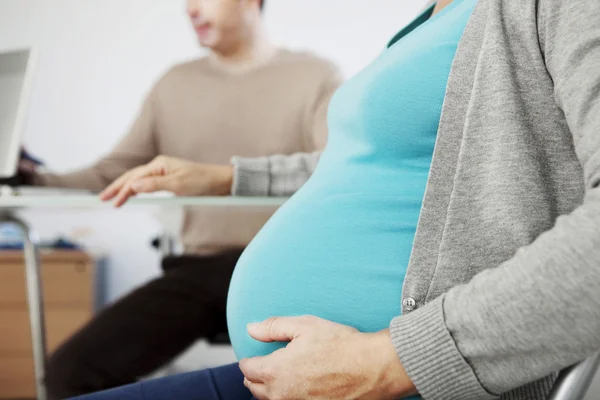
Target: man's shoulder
(180,74)
(306,62)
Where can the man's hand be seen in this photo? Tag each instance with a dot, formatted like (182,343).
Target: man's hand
(324,360)
(26,170)
(184,178)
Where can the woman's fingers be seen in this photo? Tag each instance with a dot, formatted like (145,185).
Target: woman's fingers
(259,390)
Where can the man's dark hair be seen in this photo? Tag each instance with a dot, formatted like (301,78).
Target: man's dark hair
(262,4)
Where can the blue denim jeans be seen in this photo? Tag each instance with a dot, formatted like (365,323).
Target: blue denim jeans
(223,383)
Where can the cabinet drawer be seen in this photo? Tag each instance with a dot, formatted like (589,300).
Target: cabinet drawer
(64,281)
(16,378)
(15,334)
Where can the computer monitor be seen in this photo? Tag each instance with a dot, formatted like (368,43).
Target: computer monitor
(16,71)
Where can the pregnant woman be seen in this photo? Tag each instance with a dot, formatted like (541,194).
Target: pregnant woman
(449,162)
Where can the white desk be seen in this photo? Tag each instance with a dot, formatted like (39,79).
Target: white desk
(77,201)
(9,205)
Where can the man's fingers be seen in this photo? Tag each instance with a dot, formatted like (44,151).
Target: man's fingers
(279,329)
(117,188)
(153,184)
(121,190)
(124,194)
(27,166)
(114,188)
(110,191)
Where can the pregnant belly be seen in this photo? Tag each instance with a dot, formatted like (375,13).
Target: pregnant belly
(342,258)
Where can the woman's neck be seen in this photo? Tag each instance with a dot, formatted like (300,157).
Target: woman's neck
(440,5)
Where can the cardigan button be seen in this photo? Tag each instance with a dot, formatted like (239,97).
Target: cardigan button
(409,304)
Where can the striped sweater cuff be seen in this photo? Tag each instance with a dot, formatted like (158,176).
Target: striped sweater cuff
(431,357)
(251,176)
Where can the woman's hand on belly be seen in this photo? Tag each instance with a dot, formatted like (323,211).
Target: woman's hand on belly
(324,360)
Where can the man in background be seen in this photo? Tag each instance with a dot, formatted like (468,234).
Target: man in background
(246,98)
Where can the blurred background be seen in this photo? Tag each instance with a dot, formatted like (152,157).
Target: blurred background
(97,59)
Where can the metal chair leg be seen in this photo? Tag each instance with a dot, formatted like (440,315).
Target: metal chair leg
(574,382)
(34,301)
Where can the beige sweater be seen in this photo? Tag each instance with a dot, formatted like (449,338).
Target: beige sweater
(202,113)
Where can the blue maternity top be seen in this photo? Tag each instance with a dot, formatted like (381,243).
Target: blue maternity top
(339,248)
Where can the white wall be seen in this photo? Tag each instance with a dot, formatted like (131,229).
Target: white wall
(98,58)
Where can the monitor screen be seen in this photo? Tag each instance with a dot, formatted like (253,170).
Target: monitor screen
(15,86)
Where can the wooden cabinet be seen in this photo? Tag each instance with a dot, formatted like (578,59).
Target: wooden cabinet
(68,285)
